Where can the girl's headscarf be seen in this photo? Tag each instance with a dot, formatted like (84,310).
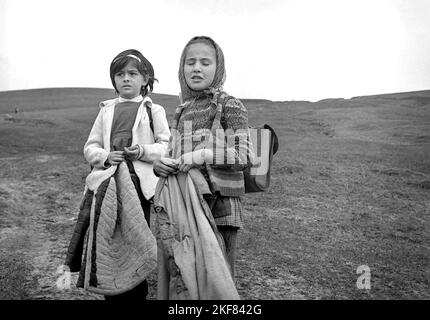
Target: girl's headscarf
(186,92)
(192,97)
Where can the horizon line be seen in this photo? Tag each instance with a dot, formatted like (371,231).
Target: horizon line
(265,99)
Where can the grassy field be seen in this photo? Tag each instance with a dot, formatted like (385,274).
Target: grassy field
(350,187)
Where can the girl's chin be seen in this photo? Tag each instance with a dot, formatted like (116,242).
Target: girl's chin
(198,88)
(128,96)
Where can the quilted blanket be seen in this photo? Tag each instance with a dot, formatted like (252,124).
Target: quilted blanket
(120,248)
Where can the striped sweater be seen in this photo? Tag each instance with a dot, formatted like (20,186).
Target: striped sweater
(197,125)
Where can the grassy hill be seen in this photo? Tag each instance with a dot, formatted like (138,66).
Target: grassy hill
(350,187)
(59,98)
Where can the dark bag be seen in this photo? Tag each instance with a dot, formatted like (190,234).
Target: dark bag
(265,144)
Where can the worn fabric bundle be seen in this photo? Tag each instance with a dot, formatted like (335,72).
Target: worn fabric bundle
(121,249)
(191,261)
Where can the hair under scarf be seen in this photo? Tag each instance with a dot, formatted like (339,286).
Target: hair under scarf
(186,92)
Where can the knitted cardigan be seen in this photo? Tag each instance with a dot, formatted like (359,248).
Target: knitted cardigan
(230,149)
(203,109)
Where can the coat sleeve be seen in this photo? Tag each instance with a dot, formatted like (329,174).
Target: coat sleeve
(94,152)
(154,151)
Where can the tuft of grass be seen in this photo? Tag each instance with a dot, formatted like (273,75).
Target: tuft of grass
(15,277)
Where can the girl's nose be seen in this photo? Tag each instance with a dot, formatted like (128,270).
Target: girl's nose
(197,67)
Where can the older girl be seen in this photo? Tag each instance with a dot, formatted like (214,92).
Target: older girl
(201,76)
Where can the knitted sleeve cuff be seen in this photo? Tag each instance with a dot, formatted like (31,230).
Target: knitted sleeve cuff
(141,152)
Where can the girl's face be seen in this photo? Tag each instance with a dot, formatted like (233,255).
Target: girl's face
(129,81)
(200,65)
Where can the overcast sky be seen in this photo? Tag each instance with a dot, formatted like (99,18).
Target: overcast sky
(274,49)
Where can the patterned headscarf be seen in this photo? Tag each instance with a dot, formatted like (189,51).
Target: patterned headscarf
(186,92)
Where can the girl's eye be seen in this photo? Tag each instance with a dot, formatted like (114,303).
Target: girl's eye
(190,62)
(206,62)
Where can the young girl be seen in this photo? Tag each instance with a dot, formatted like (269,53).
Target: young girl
(205,108)
(130,129)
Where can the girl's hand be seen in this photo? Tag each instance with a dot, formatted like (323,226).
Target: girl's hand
(133,153)
(115,158)
(194,159)
(165,166)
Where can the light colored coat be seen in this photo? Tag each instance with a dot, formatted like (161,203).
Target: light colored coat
(97,147)
(191,260)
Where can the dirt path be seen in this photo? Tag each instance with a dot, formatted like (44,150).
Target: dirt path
(41,208)
(38,216)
